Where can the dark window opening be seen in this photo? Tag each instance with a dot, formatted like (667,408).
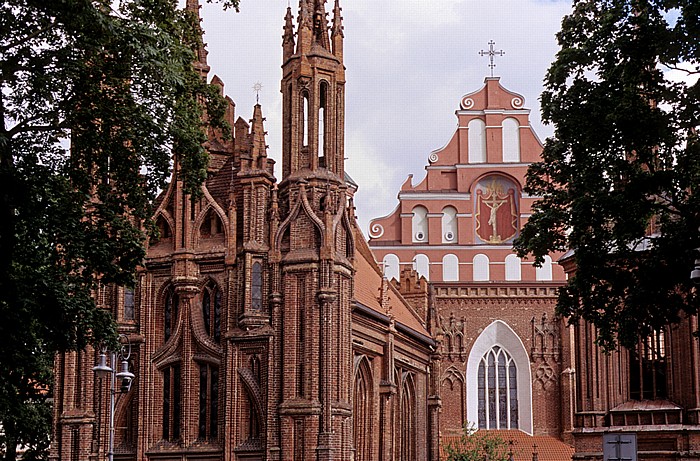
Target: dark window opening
(256,286)
(648,368)
(172,304)
(208,402)
(129,304)
(171,403)
(211,311)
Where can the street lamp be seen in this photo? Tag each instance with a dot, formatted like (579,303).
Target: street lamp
(125,377)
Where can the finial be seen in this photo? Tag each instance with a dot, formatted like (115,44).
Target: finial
(257,88)
(491,53)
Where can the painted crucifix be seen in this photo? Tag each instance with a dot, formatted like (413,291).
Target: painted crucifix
(496,215)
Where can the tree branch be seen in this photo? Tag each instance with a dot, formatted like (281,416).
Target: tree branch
(31,36)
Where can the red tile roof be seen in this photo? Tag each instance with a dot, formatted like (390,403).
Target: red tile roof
(548,448)
(368,282)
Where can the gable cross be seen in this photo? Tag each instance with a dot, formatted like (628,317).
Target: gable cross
(491,53)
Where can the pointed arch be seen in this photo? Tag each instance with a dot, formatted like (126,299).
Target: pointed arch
(256,421)
(407,418)
(500,334)
(363,409)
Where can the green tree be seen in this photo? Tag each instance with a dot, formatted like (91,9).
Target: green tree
(95,96)
(619,179)
(476,445)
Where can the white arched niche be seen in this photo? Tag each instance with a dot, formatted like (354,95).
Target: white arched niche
(477,141)
(391,266)
(511,140)
(480,268)
(420,224)
(421,264)
(449,225)
(450,268)
(544,272)
(513,271)
(500,334)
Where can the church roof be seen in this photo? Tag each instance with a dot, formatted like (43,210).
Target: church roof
(368,283)
(548,448)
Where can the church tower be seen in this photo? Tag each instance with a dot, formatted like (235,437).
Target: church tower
(312,248)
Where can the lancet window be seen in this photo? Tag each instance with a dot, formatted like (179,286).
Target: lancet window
(211,310)
(497,390)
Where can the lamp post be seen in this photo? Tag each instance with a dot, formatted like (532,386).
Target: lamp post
(103,370)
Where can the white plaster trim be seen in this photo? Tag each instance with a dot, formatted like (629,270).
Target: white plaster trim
(464,215)
(491,165)
(378,246)
(443,168)
(507,111)
(494,111)
(434,196)
(499,333)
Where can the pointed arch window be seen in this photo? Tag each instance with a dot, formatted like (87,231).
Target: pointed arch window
(323,102)
(171,402)
(363,410)
(305,119)
(256,286)
(498,390)
(407,412)
(171,308)
(211,310)
(477,141)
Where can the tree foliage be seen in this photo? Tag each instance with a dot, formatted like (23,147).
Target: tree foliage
(476,445)
(619,180)
(95,96)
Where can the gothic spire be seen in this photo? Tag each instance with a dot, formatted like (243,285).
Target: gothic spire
(321,24)
(288,36)
(337,34)
(258,137)
(200,63)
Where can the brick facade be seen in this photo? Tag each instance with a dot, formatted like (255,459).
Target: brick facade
(261,326)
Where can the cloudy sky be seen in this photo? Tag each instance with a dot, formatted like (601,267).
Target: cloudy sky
(408,64)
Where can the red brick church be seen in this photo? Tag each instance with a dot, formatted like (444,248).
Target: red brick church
(264,326)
